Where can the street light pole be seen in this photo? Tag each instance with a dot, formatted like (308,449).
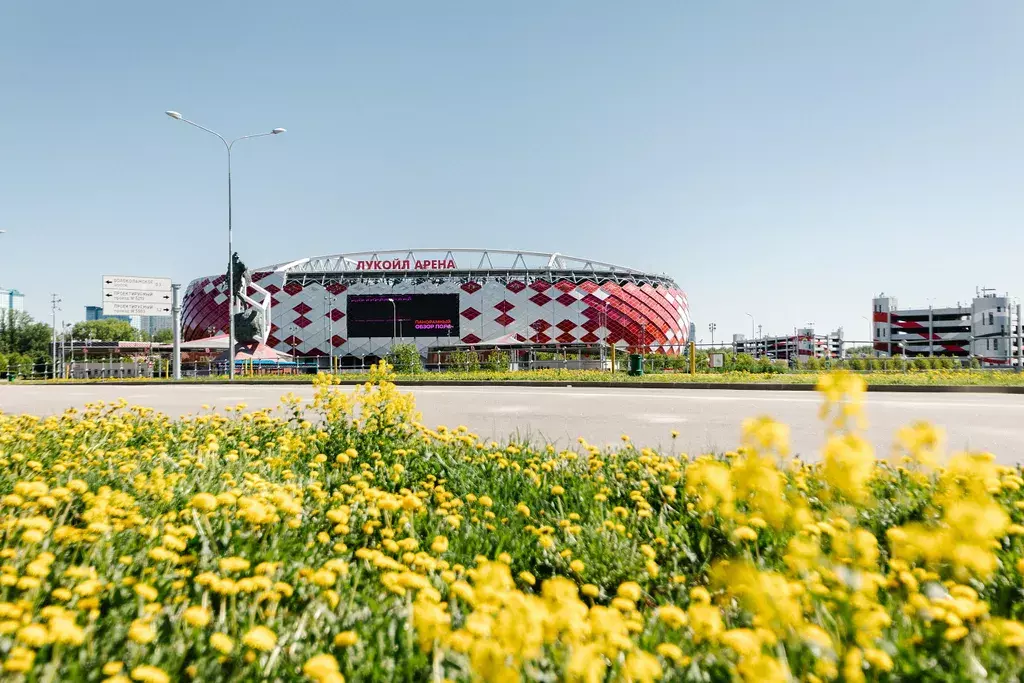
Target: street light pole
(712,327)
(753,338)
(394,322)
(231,253)
(330,329)
(54,307)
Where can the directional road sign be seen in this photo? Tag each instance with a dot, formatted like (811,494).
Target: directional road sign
(130,295)
(139,284)
(136,309)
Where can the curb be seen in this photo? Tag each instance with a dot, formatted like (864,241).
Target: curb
(750,386)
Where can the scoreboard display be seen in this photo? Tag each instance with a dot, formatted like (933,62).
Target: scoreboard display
(404,315)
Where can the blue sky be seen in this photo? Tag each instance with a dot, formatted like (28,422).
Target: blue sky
(786,159)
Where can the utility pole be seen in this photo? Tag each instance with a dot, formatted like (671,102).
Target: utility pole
(54,307)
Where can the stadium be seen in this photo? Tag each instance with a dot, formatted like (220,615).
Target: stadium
(358,305)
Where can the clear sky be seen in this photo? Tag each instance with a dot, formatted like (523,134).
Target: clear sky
(784,159)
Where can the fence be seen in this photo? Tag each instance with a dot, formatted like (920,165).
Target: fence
(853,355)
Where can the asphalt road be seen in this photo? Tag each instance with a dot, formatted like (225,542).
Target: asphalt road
(707,420)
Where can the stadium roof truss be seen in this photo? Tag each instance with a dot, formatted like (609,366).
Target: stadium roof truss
(498,264)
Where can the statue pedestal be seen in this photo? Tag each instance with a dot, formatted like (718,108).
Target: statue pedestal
(252,351)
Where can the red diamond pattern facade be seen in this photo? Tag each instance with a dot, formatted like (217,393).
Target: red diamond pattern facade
(589,310)
(539,299)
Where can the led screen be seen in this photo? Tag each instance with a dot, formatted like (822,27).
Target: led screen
(412,315)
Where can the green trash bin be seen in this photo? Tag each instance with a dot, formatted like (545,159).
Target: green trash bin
(636,365)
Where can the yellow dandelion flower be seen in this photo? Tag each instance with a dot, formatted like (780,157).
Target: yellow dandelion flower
(233,564)
(141,632)
(260,638)
(197,616)
(150,674)
(346,639)
(222,643)
(323,669)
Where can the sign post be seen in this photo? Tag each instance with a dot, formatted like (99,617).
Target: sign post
(176,328)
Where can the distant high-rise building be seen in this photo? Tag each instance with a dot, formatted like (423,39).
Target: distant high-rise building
(96,313)
(151,324)
(11,300)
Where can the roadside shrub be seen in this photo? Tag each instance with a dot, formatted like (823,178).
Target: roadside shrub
(741,362)
(405,358)
(464,360)
(497,361)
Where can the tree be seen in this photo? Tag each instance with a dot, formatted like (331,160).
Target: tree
(20,334)
(165,336)
(107,329)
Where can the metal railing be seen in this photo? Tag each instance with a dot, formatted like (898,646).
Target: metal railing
(853,355)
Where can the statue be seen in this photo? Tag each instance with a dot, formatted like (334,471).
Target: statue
(251,316)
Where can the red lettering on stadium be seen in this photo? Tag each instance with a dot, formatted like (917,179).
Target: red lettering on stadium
(406,264)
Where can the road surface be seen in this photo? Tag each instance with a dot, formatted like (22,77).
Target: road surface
(707,420)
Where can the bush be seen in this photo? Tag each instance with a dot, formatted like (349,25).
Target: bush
(405,358)
(769,367)
(741,362)
(464,361)
(497,361)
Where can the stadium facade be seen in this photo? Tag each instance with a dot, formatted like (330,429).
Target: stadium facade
(359,304)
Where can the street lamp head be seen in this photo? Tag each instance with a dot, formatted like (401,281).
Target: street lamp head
(173,115)
(278,131)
